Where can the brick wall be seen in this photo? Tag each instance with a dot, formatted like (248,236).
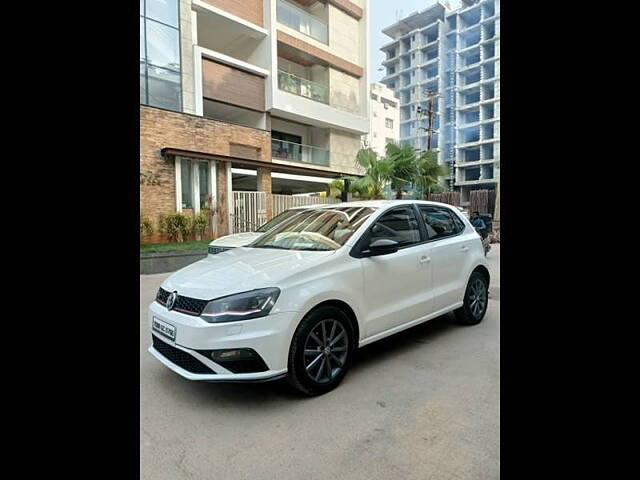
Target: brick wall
(162,128)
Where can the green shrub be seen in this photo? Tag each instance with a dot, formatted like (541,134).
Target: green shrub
(200,222)
(176,227)
(146,226)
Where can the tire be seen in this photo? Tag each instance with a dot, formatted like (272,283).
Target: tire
(308,371)
(472,312)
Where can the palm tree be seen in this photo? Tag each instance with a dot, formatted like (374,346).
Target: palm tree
(428,171)
(377,173)
(403,166)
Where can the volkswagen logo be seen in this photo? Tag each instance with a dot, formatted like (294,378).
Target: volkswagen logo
(171,299)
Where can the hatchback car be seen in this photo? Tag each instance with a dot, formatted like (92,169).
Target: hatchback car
(300,300)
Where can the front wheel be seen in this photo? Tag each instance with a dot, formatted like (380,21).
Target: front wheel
(476,301)
(321,351)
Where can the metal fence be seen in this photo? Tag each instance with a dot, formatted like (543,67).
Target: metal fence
(249,211)
(250,208)
(283,202)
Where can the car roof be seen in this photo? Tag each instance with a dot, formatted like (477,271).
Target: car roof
(380,204)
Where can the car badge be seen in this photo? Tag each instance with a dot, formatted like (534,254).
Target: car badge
(171,300)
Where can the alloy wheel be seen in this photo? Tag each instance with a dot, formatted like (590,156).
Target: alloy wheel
(477,298)
(325,350)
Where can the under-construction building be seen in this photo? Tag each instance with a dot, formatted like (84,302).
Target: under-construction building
(449,59)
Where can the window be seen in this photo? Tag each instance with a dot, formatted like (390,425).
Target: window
(389,140)
(388,122)
(187,183)
(195,183)
(399,225)
(160,81)
(440,222)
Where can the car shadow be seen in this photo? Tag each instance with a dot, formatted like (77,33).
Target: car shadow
(266,394)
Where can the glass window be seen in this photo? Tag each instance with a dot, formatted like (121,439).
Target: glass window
(315,229)
(143,84)
(163,88)
(439,222)
(203,182)
(187,183)
(388,122)
(142,40)
(399,225)
(165,11)
(162,45)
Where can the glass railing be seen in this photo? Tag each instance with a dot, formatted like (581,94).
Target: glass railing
(295,152)
(302,21)
(303,87)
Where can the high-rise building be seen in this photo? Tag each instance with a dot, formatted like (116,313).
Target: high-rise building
(452,57)
(268,96)
(384,118)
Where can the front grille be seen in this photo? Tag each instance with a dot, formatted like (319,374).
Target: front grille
(180,357)
(216,250)
(187,305)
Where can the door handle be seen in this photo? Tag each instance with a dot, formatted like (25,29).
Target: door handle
(464,248)
(425,259)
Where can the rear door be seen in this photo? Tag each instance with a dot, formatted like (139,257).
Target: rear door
(397,286)
(450,253)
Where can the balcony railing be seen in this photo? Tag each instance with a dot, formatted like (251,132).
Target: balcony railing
(295,152)
(303,87)
(302,21)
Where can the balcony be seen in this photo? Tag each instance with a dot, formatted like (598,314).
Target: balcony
(303,22)
(295,152)
(302,87)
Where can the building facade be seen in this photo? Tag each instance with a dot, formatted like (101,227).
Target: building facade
(450,57)
(255,95)
(384,118)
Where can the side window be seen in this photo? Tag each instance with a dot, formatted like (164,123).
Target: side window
(440,222)
(399,225)
(459,224)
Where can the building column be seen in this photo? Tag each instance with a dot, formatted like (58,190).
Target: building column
(223,203)
(264,185)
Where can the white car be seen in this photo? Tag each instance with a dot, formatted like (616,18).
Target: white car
(242,239)
(300,300)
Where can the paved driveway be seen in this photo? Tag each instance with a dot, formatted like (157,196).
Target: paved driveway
(423,404)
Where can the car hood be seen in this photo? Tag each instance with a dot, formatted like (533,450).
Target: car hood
(240,270)
(235,240)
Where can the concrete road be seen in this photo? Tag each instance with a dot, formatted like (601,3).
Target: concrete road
(423,404)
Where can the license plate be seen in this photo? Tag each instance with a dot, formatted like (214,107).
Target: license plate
(163,328)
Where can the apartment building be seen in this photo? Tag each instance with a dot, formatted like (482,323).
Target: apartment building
(384,118)
(451,56)
(266,96)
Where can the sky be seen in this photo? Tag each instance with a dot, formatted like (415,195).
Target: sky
(383,14)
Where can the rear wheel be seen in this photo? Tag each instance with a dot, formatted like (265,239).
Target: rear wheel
(321,351)
(476,300)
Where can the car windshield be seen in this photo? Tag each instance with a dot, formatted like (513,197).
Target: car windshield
(315,229)
(278,219)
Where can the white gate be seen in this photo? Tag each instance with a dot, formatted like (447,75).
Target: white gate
(283,202)
(249,211)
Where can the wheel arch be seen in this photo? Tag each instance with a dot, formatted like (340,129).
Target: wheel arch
(346,308)
(484,271)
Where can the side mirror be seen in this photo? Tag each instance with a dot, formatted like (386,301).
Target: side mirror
(382,246)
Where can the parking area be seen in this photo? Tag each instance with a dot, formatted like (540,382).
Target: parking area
(423,404)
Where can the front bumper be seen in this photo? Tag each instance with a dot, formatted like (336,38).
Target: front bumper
(268,336)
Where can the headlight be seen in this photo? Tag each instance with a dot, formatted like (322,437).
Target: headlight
(242,306)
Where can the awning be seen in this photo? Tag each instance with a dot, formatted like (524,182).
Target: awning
(250,163)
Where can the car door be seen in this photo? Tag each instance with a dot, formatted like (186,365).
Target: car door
(450,247)
(397,286)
